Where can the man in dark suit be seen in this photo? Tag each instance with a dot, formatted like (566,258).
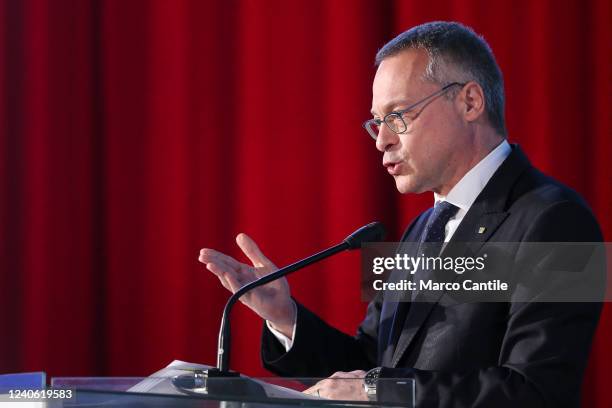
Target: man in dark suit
(438,120)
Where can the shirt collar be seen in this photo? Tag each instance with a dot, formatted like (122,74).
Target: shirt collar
(465,192)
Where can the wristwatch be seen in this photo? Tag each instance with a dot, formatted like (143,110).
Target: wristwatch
(370,381)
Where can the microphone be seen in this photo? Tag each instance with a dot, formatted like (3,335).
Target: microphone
(372,232)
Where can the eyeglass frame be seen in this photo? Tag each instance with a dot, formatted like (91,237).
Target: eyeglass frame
(400,113)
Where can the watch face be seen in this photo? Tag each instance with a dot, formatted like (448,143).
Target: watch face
(372,377)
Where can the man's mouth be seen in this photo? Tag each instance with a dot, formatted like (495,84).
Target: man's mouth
(393,167)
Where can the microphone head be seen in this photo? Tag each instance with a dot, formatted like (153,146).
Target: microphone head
(373,232)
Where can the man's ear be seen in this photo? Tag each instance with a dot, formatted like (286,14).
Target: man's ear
(472,101)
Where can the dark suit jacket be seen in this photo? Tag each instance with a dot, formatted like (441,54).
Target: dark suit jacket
(472,354)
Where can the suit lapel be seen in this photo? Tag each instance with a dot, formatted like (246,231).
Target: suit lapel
(477,227)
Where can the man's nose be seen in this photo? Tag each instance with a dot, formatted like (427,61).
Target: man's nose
(386,138)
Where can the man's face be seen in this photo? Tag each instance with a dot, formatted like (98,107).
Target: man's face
(427,156)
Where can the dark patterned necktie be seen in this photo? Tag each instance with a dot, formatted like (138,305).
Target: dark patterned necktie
(433,235)
(431,244)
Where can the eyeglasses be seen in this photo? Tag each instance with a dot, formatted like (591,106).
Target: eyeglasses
(396,121)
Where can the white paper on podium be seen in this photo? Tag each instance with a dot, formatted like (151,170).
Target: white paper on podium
(160,382)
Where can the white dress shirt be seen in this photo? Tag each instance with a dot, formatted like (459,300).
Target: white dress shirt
(465,192)
(463,195)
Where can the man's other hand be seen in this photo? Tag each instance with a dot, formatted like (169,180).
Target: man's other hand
(341,386)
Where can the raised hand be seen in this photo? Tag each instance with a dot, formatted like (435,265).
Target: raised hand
(272,301)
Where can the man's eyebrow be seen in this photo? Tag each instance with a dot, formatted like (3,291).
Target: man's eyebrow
(391,106)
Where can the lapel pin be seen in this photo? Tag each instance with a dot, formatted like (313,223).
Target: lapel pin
(482,230)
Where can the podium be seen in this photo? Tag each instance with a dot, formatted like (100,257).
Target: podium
(280,392)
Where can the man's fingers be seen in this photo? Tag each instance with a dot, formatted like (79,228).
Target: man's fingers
(232,274)
(314,390)
(226,263)
(310,391)
(252,251)
(224,283)
(230,280)
(210,255)
(342,374)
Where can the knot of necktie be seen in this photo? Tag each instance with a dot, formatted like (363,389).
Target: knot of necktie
(434,230)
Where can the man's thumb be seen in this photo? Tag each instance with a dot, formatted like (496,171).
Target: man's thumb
(252,251)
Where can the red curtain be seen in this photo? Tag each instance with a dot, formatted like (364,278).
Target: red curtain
(133,133)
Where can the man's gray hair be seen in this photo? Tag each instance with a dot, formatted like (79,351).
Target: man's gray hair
(456,54)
